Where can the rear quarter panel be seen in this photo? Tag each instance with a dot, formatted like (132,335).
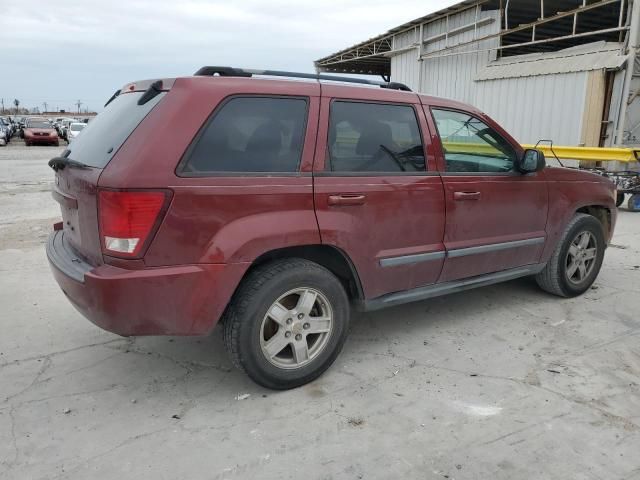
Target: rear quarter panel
(217,219)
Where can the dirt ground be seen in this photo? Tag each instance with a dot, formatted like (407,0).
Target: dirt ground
(503,382)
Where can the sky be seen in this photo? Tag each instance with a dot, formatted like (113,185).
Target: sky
(62,51)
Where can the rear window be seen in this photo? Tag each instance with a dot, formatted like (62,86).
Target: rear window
(108,131)
(250,134)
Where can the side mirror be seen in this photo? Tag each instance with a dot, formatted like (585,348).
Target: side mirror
(532,161)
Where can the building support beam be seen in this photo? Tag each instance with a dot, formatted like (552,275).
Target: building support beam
(633,50)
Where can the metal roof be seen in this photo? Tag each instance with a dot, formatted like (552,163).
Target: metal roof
(593,56)
(550,21)
(374,60)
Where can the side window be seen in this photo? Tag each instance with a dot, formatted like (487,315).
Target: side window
(251,134)
(369,137)
(469,145)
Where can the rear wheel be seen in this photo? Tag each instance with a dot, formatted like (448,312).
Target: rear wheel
(287,323)
(619,199)
(576,261)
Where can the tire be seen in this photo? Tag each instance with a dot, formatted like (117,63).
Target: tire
(619,199)
(556,277)
(274,287)
(633,204)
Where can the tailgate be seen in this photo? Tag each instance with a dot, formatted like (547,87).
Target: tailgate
(76,186)
(76,191)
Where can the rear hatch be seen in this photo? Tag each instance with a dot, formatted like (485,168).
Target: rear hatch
(79,167)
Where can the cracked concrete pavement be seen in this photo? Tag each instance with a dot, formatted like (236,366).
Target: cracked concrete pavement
(504,382)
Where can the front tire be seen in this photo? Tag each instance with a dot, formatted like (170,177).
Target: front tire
(287,323)
(576,261)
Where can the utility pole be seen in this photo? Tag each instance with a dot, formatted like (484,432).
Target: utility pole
(79,104)
(44,104)
(2,101)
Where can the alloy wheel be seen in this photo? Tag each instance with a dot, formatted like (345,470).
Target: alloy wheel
(581,257)
(296,328)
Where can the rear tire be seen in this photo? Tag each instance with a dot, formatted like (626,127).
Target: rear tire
(287,323)
(619,199)
(576,261)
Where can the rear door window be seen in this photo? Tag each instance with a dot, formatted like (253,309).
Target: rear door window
(106,133)
(372,137)
(250,134)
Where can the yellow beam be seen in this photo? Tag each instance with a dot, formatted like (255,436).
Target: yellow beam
(592,154)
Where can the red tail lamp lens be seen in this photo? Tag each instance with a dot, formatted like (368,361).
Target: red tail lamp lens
(127,219)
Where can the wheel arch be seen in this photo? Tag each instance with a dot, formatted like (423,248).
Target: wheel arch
(601,213)
(330,257)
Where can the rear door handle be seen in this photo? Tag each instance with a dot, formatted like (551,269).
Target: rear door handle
(466,195)
(346,200)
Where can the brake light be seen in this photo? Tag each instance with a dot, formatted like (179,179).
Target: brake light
(128,220)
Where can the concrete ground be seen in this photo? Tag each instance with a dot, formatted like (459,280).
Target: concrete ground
(504,382)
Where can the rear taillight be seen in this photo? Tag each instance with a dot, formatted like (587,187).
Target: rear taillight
(128,220)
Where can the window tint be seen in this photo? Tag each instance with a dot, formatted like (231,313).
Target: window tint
(108,131)
(367,137)
(251,134)
(470,145)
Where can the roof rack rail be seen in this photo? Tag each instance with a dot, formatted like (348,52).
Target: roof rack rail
(247,72)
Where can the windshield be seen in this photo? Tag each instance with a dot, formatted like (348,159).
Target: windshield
(39,125)
(108,131)
(76,127)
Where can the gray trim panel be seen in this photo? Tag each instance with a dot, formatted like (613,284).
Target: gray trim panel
(62,257)
(460,252)
(494,247)
(438,289)
(409,259)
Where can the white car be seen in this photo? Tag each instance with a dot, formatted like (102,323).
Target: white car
(74,130)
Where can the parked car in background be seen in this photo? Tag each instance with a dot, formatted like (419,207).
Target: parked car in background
(5,133)
(74,130)
(9,128)
(278,204)
(12,124)
(62,126)
(40,132)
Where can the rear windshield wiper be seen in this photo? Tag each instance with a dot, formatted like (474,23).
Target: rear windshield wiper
(59,163)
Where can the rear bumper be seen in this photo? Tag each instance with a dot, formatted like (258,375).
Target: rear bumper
(176,300)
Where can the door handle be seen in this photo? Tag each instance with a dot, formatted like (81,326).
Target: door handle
(346,200)
(466,195)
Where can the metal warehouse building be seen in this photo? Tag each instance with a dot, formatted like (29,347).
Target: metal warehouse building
(565,70)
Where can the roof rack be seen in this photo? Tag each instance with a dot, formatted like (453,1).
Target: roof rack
(247,72)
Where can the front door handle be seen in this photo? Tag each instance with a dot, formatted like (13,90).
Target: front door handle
(466,195)
(346,200)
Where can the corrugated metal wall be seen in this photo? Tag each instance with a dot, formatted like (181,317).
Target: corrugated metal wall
(450,76)
(535,108)
(530,108)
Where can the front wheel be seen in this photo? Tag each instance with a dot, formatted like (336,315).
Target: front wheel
(287,323)
(576,261)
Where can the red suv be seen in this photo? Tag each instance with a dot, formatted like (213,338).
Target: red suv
(273,205)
